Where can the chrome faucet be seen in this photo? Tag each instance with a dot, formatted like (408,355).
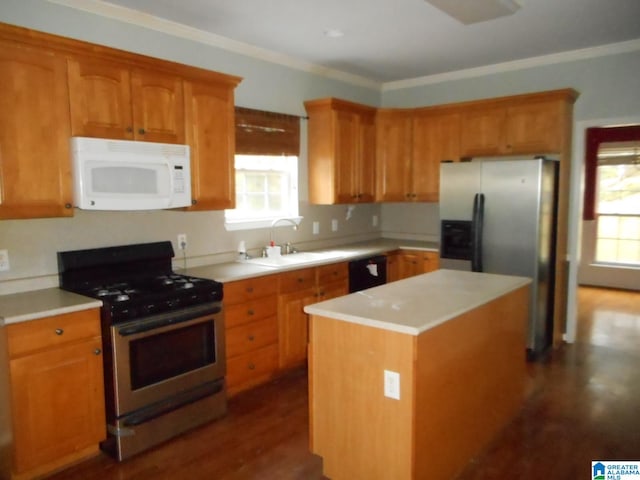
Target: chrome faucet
(288,247)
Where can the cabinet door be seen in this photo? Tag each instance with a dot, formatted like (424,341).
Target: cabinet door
(393,266)
(366,172)
(293,326)
(58,403)
(35,165)
(158,107)
(430,262)
(410,264)
(534,127)
(211,134)
(346,156)
(393,155)
(482,131)
(436,138)
(100,99)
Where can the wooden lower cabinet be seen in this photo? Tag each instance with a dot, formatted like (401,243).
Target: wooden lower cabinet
(415,262)
(56,391)
(408,263)
(251,332)
(297,290)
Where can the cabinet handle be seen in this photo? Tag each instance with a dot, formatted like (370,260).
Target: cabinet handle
(59,331)
(249,289)
(129,129)
(194,202)
(300,280)
(67,205)
(251,366)
(97,351)
(251,338)
(250,312)
(141,131)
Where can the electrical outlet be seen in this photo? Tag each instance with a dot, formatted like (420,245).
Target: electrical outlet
(334,225)
(392,384)
(4,261)
(374,221)
(182,241)
(316,228)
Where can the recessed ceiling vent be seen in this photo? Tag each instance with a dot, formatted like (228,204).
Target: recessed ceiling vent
(475,11)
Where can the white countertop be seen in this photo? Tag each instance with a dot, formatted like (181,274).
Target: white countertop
(34,304)
(418,303)
(20,307)
(228,272)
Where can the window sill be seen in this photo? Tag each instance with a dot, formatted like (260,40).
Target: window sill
(234,225)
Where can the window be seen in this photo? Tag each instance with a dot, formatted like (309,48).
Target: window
(618,204)
(266,162)
(266,188)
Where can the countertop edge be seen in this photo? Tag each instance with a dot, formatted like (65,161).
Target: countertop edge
(317,309)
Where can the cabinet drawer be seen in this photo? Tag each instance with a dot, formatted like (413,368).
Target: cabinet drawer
(250,311)
(52,331)
(333,272)
(251,336)
(251,368)
(297,280)
(245,290)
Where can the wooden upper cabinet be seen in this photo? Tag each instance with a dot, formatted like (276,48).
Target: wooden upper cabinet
(523,124)
(394,155)
(35,169)
(436,139)
(341,152)
(111,100)
(209,112)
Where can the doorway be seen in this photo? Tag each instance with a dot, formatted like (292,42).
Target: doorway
(577,228)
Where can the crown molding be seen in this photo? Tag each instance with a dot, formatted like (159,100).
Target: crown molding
(562,57)
(151,22)
(158,24)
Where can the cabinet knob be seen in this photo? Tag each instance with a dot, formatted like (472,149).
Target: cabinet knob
(251,366)
(300,280)
(251,338)
(141,131)
(129,129)
(194,201)
(250,312)
(59,331)
(97,351)
(249,289)
(67,205)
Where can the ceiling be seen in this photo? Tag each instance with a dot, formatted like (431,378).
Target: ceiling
(392,40)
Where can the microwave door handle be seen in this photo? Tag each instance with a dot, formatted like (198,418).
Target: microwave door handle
(171,186)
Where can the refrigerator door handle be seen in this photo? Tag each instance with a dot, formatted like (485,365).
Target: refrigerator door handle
(476,232)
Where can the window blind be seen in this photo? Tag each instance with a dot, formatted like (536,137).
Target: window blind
(259,132)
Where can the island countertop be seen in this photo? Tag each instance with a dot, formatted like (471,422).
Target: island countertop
(419,303)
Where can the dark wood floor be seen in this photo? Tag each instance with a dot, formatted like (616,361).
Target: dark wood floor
(584,406)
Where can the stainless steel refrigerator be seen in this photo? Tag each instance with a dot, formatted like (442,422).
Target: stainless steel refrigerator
(500,216)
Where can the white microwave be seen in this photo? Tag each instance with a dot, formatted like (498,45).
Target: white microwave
(127,175)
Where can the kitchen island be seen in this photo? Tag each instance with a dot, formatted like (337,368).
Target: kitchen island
(411,379)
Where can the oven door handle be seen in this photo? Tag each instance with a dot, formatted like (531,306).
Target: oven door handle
(163,321)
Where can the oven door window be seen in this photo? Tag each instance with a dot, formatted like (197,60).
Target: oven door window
(166,355)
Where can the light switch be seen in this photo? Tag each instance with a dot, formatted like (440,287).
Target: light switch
(392,384)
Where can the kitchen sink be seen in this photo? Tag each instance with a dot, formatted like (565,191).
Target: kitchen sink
(299,258)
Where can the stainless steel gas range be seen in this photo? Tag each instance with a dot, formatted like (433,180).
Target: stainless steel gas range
(163,338)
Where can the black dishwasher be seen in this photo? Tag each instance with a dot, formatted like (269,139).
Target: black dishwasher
(367,272)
